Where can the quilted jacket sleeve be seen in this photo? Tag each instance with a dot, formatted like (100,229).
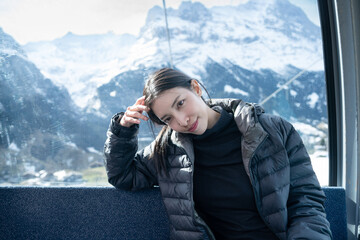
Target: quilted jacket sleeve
(127,168)
(306,214)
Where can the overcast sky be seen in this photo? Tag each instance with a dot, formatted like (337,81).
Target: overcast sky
(34,20)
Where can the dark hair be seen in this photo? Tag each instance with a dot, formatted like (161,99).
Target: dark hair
(158,82)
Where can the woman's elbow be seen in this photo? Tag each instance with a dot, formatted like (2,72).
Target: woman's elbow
(120,183)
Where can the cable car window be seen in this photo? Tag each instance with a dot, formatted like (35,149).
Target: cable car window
(67,67)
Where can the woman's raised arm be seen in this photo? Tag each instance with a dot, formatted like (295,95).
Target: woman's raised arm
(126,168)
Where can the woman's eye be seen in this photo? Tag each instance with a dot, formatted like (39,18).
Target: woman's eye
(167,120)
(180,103)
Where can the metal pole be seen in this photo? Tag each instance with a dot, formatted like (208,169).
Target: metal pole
(287,83)
(168,35)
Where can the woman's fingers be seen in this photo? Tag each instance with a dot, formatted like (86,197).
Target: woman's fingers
(138,108)
(131,117)
(128,121)
(140,101)
(136,114)
(133,113)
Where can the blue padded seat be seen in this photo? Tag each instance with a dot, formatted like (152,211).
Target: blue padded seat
(335,207)
(81,213)
(106,213)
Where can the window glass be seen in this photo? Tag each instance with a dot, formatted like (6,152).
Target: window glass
(67,67)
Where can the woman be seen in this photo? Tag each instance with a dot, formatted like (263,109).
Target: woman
(226,170)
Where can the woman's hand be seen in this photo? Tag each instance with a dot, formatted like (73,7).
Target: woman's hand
(133,113)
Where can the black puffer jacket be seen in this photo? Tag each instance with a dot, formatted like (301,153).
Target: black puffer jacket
(286,190)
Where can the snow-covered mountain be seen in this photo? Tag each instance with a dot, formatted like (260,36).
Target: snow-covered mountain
(81,63)
(56,97)
(271,34)
(40,127)
(256,35)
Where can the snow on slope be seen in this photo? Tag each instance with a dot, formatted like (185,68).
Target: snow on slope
(9,47)
(81,63)
(257,35)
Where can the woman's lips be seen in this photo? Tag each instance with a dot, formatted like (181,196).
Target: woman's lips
(193,127)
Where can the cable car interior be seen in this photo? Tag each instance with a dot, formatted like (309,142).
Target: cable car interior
(35,211)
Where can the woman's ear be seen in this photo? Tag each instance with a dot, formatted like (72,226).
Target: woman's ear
(196,87)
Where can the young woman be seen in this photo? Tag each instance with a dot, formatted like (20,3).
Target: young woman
(226,170)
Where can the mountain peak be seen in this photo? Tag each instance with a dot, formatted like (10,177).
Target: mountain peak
(193,12)
(8,45)
(188,11)
(154,14)
(294,20)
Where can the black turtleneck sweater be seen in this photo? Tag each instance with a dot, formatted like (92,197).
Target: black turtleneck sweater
(223,194)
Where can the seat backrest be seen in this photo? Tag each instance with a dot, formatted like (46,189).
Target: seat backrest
(335,207)
(81,213)
(107,213)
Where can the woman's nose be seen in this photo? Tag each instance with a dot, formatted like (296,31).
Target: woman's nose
(183,120)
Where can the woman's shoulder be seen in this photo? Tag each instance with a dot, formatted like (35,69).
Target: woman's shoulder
(229,104)
(272,119)
(276,125)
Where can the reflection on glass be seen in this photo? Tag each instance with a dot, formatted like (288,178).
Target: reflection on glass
(57,96)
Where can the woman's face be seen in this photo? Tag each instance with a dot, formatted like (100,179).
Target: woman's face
(183,110)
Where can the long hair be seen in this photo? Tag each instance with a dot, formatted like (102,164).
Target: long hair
(158,82)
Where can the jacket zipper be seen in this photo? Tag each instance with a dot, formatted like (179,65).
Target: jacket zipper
(252,184)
